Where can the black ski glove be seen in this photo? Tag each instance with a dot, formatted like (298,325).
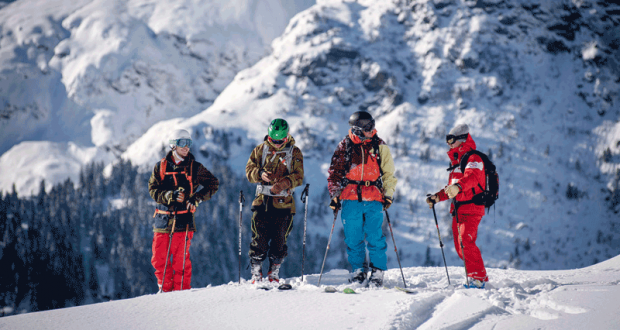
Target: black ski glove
(335,204)
(168,198)
(174,196)
(193,200)
(431,200)
(387,202)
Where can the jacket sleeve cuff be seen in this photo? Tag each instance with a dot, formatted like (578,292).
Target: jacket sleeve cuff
(442,195)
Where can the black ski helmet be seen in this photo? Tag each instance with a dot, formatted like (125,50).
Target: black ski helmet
(363,120)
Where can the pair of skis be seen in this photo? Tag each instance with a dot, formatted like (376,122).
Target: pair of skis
(331,289)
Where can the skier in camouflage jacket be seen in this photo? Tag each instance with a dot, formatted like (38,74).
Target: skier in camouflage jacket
(277,167)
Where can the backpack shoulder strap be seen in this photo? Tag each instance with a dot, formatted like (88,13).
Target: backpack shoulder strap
(288,157)
(265,151)
(488,165)
(375,146)
(162,168)
(189,176)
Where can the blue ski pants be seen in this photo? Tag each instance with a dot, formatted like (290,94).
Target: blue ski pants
(362,223)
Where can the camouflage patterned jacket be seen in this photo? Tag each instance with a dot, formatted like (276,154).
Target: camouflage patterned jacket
(279,169)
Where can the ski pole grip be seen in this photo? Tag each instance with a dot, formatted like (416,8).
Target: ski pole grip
(304,193)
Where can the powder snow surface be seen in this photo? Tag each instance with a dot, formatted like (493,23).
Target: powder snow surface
(584,298)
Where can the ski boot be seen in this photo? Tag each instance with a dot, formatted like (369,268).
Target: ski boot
(376,278)
(256,269)
(359,276)
(474,284)
(274,273)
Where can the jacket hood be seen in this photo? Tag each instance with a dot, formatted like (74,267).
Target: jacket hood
(455,154)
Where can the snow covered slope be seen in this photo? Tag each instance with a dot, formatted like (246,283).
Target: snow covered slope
(537,82)
(569,299)
(101,72)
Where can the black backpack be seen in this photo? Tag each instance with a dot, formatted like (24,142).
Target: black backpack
(489,195)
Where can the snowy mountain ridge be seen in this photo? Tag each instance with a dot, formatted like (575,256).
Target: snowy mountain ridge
(100,73)
(537,82)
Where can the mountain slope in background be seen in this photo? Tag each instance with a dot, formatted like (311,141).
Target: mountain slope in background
(536,82)
(100,73)
(567,299)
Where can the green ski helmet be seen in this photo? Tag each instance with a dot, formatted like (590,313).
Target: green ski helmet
(278,129)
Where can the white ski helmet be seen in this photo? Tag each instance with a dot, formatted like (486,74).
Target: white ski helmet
(177,135)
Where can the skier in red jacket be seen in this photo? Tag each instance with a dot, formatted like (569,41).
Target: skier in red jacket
(462,187)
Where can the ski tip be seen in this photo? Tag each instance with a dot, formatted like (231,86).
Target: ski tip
(285,286)
(410,291)
(348,290)
(330,289)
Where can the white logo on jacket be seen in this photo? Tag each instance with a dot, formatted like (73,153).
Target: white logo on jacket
(477,165)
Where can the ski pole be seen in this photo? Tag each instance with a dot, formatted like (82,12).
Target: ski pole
(328,241)
(241,200)
(184,255)
(395,249)
(174,221)
(441,243)
(304,198)
(458,227)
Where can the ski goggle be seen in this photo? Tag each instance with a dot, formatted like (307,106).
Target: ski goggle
(278,141)
(359,131)
(450,139)
(182,143)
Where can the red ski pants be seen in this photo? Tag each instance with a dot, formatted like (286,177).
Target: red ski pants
(468,226)
(174,272)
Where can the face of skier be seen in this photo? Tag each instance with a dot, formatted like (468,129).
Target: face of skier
(456,144)
(278,143)
(182,151)
(368,134)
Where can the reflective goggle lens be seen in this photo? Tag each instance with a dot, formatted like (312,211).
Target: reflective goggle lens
(182,142)
(450,139)
(357,131)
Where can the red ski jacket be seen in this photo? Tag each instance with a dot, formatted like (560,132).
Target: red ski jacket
(472,181)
